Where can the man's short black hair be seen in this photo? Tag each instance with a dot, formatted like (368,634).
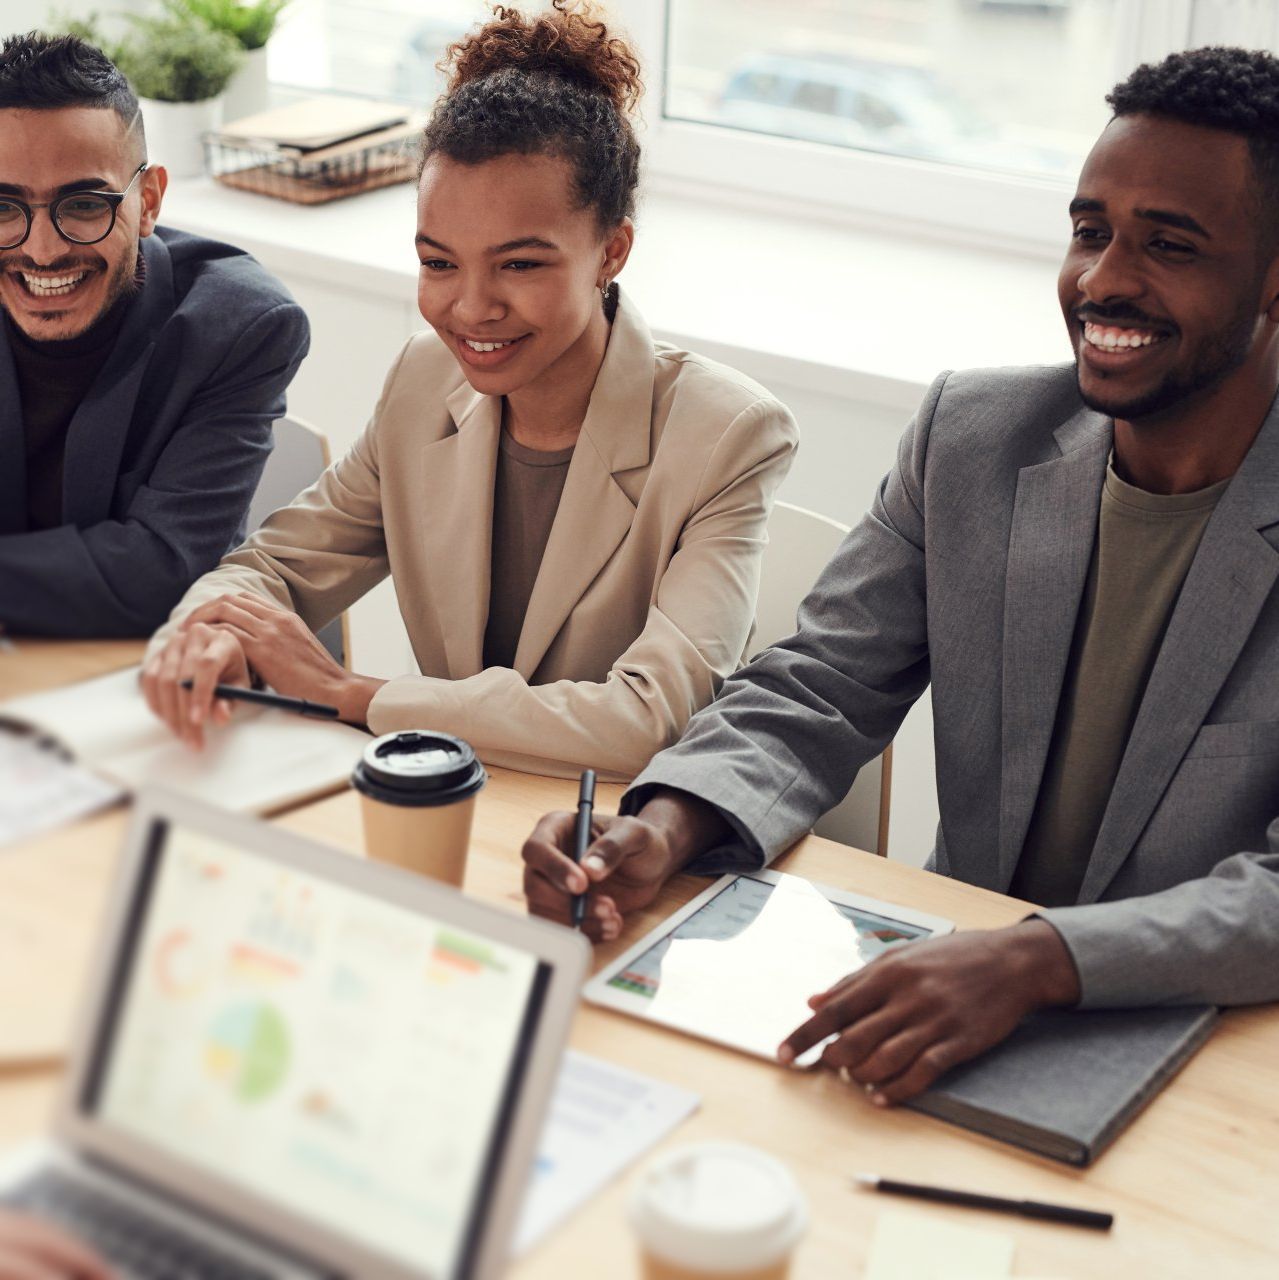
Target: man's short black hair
(42,72)
(1236,90)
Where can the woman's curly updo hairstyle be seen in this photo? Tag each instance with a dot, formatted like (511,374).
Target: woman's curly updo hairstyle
(555,84)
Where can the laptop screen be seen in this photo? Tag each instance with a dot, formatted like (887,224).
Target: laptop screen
(345,1058)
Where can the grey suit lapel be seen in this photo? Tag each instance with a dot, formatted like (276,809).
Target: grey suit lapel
(13,461)
(1229,581)
(100,427)
(1050,546)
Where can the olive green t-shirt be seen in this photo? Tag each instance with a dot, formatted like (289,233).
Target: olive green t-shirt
(1145,543)
(526,494)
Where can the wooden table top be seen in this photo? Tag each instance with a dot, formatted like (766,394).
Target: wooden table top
(1192,1183)
(32,666)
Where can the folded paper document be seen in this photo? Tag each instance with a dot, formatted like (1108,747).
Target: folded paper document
(262,762)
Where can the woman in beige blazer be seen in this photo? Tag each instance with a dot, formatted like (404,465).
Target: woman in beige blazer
(630,596)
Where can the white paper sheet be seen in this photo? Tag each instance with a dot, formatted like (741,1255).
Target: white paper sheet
(264,760)
(40,790)
(602,1118)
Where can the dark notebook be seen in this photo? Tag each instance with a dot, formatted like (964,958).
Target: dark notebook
(1066,1082)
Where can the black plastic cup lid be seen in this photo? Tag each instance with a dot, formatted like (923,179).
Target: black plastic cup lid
(418,767)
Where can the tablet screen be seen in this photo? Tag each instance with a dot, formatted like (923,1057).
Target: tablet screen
(741,968)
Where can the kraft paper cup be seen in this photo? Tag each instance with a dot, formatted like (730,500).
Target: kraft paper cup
(717,1210)
(417,798)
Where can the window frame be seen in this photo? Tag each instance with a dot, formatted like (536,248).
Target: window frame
(1018,213)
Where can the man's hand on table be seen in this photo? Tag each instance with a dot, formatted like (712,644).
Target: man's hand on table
(33,1250)
(225,639)
(627,862)
(918,1010)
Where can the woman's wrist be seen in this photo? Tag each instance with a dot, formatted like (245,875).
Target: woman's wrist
(353,696)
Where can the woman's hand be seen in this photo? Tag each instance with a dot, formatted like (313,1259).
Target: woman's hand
(273,642)
(206,656)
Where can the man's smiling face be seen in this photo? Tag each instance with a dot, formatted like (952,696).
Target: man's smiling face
(1164,285)
(52,289)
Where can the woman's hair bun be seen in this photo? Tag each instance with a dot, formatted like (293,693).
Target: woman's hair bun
(570,42)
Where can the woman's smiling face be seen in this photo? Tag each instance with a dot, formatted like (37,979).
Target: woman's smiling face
(511,270)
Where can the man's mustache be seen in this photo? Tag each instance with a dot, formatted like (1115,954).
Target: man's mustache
(59,265)
(1119,313)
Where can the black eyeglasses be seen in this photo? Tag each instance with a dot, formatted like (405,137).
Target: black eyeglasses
(80,217)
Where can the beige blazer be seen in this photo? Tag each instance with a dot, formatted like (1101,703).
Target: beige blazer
(646,594)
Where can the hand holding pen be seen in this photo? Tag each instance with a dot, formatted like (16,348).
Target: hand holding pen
(626,860)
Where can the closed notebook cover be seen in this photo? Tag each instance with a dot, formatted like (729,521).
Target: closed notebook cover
(1067,1082)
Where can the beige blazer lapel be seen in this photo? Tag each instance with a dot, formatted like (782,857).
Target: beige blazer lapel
(457,525)
(594,513)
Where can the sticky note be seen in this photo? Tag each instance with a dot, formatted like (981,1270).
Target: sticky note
(916,1246)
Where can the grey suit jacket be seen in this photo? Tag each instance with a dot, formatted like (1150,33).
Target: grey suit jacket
(163,454)
(967,572)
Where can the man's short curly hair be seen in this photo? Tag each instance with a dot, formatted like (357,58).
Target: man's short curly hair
(1236,90)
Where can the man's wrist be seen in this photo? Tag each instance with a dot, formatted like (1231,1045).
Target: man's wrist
(690,825)
(1046,963)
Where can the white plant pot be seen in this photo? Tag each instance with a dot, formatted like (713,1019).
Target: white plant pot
(247,94)
(175,133)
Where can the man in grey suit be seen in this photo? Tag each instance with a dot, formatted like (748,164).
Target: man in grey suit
(1081,561)
(140,369)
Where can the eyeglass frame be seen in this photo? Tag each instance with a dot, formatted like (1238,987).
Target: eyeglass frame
(113,198)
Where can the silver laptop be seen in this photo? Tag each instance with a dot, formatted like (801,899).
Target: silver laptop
(294,1062)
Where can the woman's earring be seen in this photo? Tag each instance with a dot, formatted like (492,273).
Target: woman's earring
(604,288)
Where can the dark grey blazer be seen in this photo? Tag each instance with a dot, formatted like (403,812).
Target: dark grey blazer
(967,572)
(163,454)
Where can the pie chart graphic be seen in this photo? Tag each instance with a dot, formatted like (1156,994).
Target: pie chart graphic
(248,1050)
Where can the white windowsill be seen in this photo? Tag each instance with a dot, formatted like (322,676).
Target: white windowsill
(840,310)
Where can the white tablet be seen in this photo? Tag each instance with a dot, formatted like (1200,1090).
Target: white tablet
(738,963)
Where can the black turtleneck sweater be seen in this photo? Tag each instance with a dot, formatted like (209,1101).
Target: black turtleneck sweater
(53,379)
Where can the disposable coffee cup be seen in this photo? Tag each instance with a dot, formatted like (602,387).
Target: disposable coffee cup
(717,1211)
(417,798)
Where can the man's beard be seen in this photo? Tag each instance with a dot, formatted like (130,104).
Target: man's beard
(122,283)
(1227,351)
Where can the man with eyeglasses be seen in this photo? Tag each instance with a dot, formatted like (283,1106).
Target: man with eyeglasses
(141,369)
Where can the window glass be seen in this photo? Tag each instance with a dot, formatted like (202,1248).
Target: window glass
(985,83)
(371,48)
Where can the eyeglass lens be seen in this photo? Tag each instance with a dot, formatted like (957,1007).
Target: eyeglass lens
(82,217)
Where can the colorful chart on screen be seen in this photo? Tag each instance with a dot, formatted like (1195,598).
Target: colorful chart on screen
(339,1054)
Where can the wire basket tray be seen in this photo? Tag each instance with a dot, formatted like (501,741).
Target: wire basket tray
(363,164)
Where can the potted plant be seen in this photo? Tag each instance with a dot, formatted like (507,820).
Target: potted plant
(251,25)
(178,68)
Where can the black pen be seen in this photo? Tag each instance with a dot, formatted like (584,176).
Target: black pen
(233,693)
(975,1200)
(582,837)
